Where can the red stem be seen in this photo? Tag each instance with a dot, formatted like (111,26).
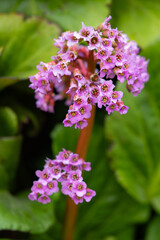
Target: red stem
(81,149)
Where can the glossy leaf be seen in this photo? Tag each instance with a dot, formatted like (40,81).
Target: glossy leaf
(105,211)
(67,14)
(29,42)
(21,214)
(136,138)
(139,19)
(8,122)
(10,148)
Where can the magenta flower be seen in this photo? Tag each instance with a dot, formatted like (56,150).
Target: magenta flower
(79,188)
(38,187)
(68,76)
(89,194)
(77,199)
(65,169)
(44,199)
(51,187)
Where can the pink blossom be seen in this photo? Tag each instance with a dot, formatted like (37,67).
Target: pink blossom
(68,76)
(65,169)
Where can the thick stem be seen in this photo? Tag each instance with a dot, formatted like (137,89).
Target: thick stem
(84,137)
(81,149)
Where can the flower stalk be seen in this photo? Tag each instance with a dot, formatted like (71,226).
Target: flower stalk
(81,149)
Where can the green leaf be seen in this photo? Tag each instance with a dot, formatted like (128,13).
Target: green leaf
(67,14)
(10,148)
(135,138)
(8,122)
(153,230)
(126,234)
(26,44)
(21,214)
(103,215)
(139,19)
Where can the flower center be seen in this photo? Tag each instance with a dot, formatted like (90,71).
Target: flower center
(74,168)
(79,101)
(105,88)
(118,57)
(44,175)
(104,99)
(95,92)
(62,66)
(65,155)
(74,159)
(105,43)
(70,187)
(50,164)
(108,60)
(75,177)
(82,110)
(88,193)
(114,95)
(56,171)
(83,88)
(85,33)
(80,187)
(50,185)
(94,40)
(65,176)
(73,113)
(112,106)
(102,53)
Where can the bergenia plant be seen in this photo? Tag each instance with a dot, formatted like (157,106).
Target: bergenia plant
(83,73)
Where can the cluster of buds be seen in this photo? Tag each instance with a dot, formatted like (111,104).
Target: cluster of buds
(72,73)
(67,170)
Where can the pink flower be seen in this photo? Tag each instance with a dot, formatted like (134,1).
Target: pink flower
(51,187)
(77,199)
(68,76)
(44,199)
(79,188)
(89,194)
(65,169)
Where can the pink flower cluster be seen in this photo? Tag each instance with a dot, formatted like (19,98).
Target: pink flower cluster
(67,170)
(72,73)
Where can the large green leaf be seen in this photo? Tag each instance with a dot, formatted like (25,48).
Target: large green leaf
(153,230)
(10,148)
(140,19)
(8,122)
(136,138)
(105,211)
(21,214)
(26,44)
(112,209)
(67,14)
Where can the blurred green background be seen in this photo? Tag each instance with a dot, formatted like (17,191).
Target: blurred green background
(124,150)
